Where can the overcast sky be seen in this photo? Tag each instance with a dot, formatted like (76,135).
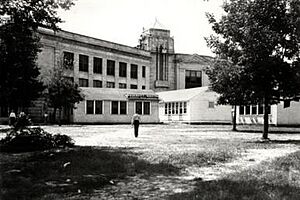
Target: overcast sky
(122,21)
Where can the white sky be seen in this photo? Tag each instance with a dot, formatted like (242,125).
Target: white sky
(122,21)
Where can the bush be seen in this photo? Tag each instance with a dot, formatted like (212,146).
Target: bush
(33,139)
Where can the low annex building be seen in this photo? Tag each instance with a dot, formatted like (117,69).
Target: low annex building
(195,105)
(278,114)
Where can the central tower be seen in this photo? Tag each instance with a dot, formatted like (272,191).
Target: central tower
(161,46)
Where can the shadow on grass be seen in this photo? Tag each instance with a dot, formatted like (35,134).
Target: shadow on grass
(296,142)
(237,190)
(270,131)
(33,175)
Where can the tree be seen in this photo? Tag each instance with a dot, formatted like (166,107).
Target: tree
(19,46)
(263,37)
(62,93)
(226,79)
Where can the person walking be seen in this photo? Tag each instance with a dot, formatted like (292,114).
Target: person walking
(135,121)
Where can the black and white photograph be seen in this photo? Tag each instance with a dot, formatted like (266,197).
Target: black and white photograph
(149,99)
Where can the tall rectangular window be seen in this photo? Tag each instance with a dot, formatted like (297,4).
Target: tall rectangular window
(123,107)
(97,84)
(166,108)
(139,107)
(169,108)
(173,108)
(180,107)
(193,79)
(98,107)
(97,65)
(110,84)
(261,109)
(146,108)
(114,107)
(89,107)
(144,72)
(248,110)
(68,60)
(254,110)
(83,63)
(122,69)
(83,82)
(184,107)
(133,71)
(242,110)
(110,67)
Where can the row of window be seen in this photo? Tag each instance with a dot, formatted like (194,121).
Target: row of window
(253,110)
(99,84)
(117,107)
(98,63)
(175,108)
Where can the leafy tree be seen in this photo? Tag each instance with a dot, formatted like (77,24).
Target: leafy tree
(263,37)
(19,46)
(62,93)
(225,79)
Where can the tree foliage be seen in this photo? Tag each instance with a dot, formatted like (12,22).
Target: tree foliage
(62,93)
(262,38)
(19,46)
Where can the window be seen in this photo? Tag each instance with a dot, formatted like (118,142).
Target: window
(98,107)
(68,60)
(143,87)
(97,65)
(242,111)
(110,67)
(133,86)
(138,107)
(83,82)
(133,71)
(144,72)
(146,108)
(89,107)
(176,108)
(166,108)
(254,110)
(122,85)
(260,109)
(83,63)
(123,107)
(248,110)
(169,108)
(193,79)
(110,84)
(119,107)
(122,69)
(180,108)
(114,107)
(211,104)
(97,84)
(173,108)
(184,107)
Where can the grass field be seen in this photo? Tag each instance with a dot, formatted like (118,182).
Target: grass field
(164,162)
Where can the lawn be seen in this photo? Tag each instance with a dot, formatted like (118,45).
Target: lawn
(164,162)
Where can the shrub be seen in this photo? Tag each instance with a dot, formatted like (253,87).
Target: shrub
(33,139)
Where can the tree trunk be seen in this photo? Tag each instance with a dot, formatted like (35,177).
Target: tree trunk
(234,119)
(54,115)
(266,119)
(59,117)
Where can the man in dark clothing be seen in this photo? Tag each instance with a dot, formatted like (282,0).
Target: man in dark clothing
(135,121)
